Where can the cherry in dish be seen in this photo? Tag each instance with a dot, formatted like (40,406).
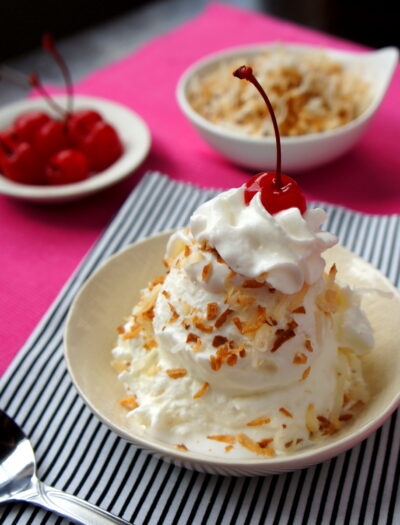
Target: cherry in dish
(31,149)
(278,191)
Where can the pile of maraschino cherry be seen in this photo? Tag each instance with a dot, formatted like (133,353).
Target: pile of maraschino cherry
(39,149)
(278,191)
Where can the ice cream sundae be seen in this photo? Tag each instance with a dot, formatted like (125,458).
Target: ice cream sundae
(247,346)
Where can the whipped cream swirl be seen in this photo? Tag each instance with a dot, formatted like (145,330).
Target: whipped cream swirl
(283,250)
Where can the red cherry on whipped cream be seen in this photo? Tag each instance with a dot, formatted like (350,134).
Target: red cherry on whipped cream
(278,191)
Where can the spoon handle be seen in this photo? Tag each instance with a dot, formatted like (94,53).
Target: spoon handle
(70,506)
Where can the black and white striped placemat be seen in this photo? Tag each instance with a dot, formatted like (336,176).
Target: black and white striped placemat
(78,454)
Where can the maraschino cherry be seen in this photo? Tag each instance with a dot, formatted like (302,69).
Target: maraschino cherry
(278,191)
(20,163)
(67,166)
(26,125)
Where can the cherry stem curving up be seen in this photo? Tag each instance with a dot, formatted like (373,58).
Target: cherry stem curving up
(246,73)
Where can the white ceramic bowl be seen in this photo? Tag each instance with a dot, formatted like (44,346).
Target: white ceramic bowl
(131,128)
(109,295)
(301,152)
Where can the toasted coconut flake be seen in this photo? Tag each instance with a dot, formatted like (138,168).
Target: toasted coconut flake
(202,391)
(326,426)
(258,422)
(158,280)
(215,363)
(174,313)
(198,346)
(148,314)
(181,446)
(238,323)
(166,263)
(254,447)
(232,360)
(206,272)
(212,311)
(265,442)
(223,352)
(176,373)
(223,438)
(223,318)
(345,417)
(152,343)
(244,301)
(129,402)
(252,283)
(228,448)
(312,422)
(200,325)
(332,274)
(300,358)
(166,294)
(120,329)
(134,331)
(289,444)
(285,412)
(306,373)
(187,251)
(242,352)
(192,338)
(309,346)
(219,340)
(281,337)
(299,310)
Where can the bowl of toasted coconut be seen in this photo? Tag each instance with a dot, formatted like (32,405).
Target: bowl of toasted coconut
(323,99)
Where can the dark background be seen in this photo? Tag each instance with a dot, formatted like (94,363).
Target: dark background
(22,22)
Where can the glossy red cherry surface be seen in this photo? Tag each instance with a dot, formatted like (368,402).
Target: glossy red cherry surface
(273,197)
(278,191)
(50,138)
(67,166)
(102,146)
(27,124)
(22,164)
(81,123)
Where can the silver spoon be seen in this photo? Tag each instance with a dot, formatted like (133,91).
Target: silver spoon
(18,480)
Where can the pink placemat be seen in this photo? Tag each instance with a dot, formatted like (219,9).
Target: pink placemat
(42,245)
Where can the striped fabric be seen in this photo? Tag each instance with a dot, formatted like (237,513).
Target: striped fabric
(78,454)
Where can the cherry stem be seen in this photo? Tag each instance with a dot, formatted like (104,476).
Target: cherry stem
(35,83)
(246,73)
(49,46)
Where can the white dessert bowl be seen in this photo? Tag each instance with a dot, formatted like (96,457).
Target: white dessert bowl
(300,152)
(131,128)
(109,295)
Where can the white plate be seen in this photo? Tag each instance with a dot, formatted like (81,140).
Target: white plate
(109,295)
(131,128)
(298,152)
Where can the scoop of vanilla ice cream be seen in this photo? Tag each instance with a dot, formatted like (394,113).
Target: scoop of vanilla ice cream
(246,346)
